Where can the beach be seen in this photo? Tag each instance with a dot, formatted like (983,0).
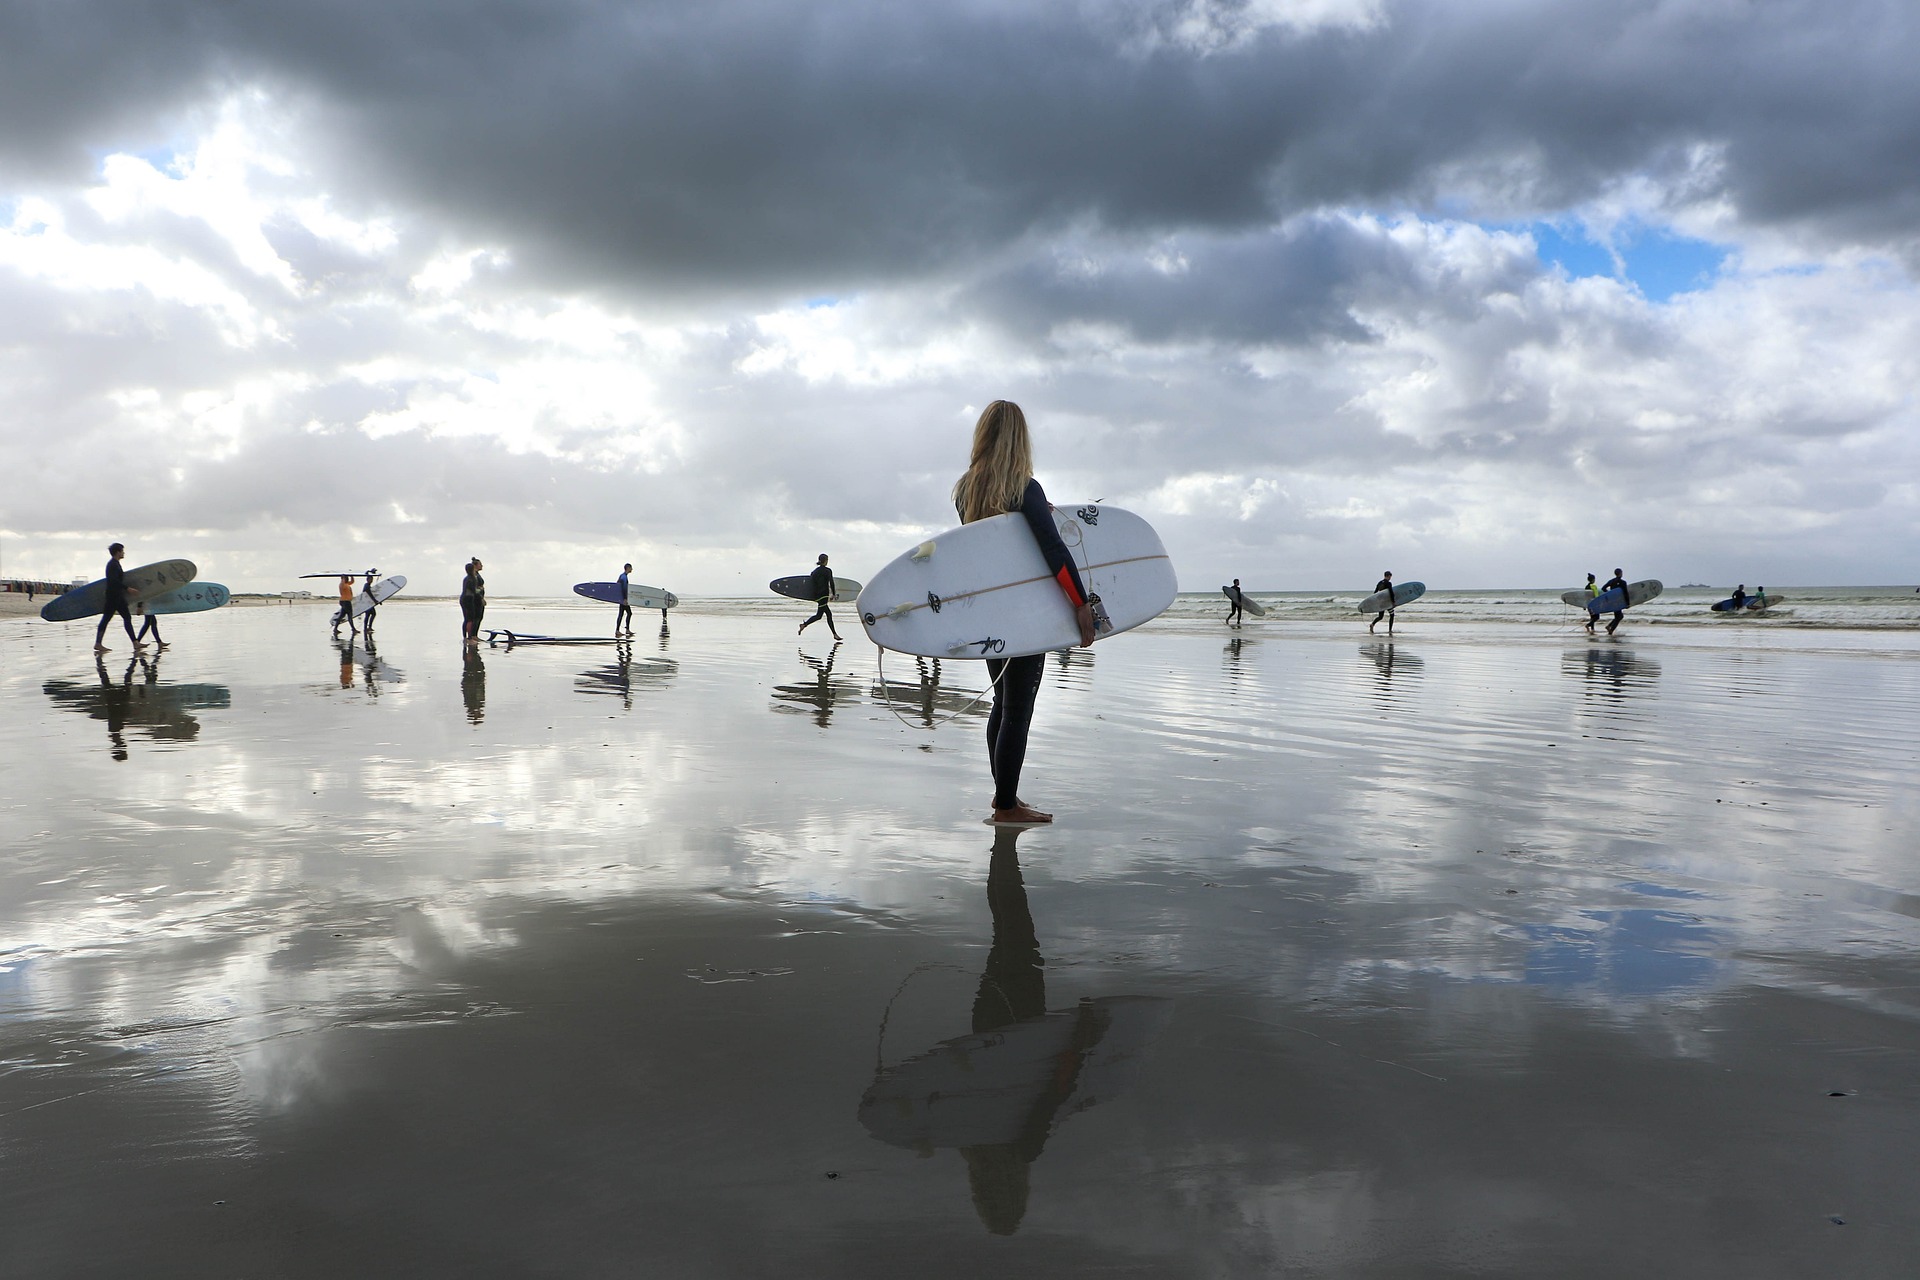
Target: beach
(1487,948)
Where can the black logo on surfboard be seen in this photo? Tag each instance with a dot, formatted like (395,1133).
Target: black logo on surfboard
(1090,514)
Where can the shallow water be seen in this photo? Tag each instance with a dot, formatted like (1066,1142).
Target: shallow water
(1484,950)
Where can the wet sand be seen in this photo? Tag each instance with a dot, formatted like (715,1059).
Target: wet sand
(1480,952)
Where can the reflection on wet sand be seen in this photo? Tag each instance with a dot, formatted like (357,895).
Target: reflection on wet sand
(473,685)
(933,701)
(1388,662)
(1075,667)
(820,696)
(617,678)
(163,712)
(997,1094)
(1614,678)
(361,663)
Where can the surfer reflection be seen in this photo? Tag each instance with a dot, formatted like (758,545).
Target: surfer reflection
(1615,678)
(617,678)
(927,695)
(473,683)
(997,1094)
(162,711)
(1386,661)
(821,694)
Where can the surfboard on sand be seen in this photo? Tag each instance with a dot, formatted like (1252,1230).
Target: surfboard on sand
(1404,593)
(983,590)
(148,580)
(512,638)
(195,597)
(638,597)
(801,588)
(1611,601)
(1247,602)
(382,591)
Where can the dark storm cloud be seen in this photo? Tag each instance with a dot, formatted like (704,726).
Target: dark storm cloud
(728,144)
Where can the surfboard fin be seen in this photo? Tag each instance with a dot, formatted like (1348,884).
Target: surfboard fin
(923,551)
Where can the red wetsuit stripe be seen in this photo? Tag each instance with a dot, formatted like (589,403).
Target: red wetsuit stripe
(1065,577)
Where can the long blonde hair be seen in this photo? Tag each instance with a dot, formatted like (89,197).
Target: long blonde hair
(1001,465)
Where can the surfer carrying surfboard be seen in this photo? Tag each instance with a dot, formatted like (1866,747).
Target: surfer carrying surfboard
(822,580)
(1236,606)
(1385,584)
(116,601)
(1593,590)
(346,608)
(1619,579)
(999,479)
(624,617)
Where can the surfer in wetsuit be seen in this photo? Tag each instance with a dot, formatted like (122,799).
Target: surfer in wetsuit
(1759,600)
(1235,605)
(1385,584)
(151,623)
(366,623)
(999,479)
(346,607)
(624,618)
(1617,580)
(1740,597)
(820,582)
(473,602)
(1593,589)
(116,601)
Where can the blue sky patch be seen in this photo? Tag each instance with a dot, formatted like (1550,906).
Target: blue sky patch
(1659,263)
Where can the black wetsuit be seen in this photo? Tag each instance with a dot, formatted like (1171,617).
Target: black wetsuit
(1236,606)
(820,582)
(473,603)
(1016,681)
(624,618)
(1620,613)
(116,603)
(1386,585)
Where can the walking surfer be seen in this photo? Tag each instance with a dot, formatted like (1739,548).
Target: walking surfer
(1236,605)
(473,603)
(1740,597)
(1617,580)
(999,479)
(151,623)
(624,618)
(1385,584)
(820,582)
(366,623)
(1593,590)
(116,601)
(346,607)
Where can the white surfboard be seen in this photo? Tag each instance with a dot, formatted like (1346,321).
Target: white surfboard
(983,590)
(1404,593)
(1247,602)
(383,590)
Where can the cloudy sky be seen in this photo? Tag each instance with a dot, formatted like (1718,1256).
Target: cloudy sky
(1491,293)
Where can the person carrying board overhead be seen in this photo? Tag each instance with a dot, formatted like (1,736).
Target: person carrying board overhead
(999,479)
(822,588)
(346,607)
(624,618)
(1235,605)
(1385,584)
(1619,579)
(116,601)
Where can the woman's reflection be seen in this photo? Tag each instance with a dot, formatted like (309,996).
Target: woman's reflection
(473,684)
(996,1095)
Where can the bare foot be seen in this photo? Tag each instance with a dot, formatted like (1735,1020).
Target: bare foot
(1022,804)
(1021,816)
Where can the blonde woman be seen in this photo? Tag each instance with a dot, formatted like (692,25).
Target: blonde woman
(999,479)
